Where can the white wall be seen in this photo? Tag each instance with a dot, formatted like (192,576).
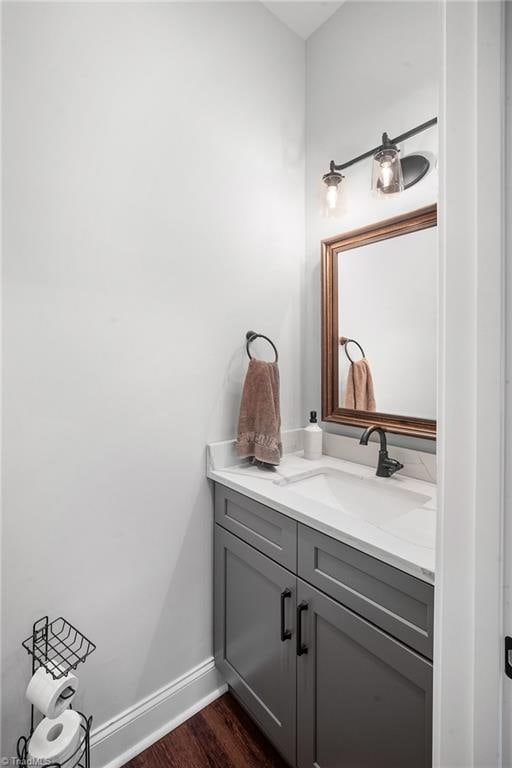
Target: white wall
(153,212)
(372,67)
(468,676)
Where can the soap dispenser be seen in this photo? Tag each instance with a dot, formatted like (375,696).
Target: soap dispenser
(312,439)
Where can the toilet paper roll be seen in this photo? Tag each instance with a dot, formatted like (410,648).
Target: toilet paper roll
(49,696)
(55,740)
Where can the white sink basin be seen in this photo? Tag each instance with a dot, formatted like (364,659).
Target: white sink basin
(375,501)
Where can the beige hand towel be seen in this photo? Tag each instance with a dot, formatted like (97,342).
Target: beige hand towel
(359,394)
(259,427)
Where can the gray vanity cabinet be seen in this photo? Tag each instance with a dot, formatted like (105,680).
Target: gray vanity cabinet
(364,700)
(330,650)
(254,649)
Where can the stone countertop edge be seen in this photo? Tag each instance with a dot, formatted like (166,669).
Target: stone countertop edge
(414,559)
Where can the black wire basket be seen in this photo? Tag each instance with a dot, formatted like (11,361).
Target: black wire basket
(57,646)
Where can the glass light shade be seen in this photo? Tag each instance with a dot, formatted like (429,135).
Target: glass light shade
(387,171)
(332,181)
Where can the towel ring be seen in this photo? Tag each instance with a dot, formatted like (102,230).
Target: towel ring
(345,341)
(252,335)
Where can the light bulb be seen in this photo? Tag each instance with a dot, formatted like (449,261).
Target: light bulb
(386,173)
(331,196)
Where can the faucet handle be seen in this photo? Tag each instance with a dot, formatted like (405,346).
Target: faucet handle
(390,466)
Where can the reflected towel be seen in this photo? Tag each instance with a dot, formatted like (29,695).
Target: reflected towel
(259,427)
(359,394)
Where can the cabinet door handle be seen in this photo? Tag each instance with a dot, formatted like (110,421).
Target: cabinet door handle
(508,651)
(301,647)
(285,633)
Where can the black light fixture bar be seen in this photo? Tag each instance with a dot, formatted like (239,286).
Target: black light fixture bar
(396,140)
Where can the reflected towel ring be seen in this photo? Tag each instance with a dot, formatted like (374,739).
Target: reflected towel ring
(344,341)
(252,335)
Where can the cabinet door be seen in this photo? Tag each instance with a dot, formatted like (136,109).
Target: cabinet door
(364,700)
(254,602)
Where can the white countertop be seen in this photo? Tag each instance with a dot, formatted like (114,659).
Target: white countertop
(406,542)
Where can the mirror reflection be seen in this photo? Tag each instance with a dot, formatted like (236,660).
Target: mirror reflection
(387,310)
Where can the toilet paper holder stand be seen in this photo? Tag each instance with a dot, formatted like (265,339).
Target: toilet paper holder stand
(59,647)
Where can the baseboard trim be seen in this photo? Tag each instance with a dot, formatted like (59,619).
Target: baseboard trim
(123,737)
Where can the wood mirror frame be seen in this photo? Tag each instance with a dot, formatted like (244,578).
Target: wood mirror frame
(331,411)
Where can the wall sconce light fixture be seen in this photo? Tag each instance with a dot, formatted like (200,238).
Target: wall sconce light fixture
(390,174)
(387,176)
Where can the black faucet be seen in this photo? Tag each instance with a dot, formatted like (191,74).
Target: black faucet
(386,466)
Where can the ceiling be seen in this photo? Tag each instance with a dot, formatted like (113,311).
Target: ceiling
(303,17)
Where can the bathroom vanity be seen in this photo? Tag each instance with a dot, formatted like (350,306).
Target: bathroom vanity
(324,604)
(324,573)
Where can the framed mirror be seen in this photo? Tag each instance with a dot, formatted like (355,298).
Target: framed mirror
(379,325)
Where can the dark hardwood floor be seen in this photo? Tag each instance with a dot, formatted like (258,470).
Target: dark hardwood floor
(220,736)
